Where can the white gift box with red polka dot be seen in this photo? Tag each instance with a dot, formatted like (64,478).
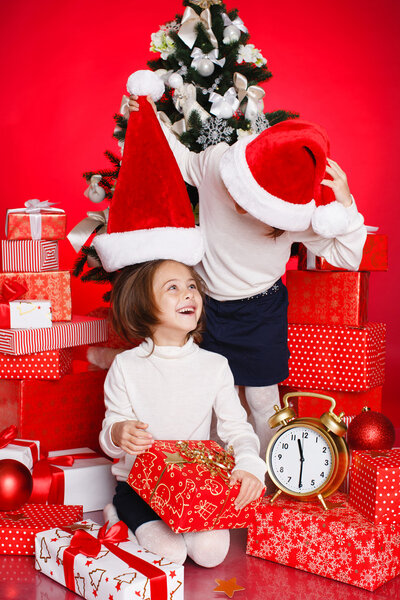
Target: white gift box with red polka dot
(26,452)
(18,528)
(52,364)
(375,485)
(336,357)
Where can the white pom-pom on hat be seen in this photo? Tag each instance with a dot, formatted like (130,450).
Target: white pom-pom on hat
(330,220)
(145,83)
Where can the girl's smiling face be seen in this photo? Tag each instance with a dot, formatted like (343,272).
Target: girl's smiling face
(179,303)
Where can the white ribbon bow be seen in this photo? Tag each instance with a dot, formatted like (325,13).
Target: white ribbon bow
(94,191)
(237,22)
(253,94)
(33,208)
(222,105)
(198,55)
(84,229)
(177,128)
(185,102)
(188,29)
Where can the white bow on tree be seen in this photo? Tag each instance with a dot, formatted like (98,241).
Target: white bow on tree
(224,106)
(188,28)
(251,95)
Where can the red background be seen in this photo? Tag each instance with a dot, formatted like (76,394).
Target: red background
(63,70)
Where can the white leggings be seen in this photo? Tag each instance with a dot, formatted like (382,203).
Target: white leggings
(261,402)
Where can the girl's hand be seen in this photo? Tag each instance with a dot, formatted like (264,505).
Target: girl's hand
(338,183)
(131,436)
(250,489)
(133,104)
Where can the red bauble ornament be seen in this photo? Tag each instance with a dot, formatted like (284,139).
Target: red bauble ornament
(15,484)
(370,430)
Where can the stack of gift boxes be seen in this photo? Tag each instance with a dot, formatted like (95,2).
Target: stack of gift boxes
(336,351)
(51,407)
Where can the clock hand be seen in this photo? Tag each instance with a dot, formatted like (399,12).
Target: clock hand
(301,463)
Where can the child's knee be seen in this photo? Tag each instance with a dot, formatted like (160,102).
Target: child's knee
(208,548)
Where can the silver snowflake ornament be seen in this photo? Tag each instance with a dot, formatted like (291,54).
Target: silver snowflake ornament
(259,123)
(214,131)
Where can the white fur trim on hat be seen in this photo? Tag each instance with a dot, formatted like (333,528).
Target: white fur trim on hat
(118,250)
(262,205)
(330,220)
(145,83)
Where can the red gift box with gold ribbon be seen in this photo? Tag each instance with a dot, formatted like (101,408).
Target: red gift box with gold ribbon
(18,528)
(93,562)
(321,298)
(186,484)
(375,485)
(338,543)
(66,413)
(339,358)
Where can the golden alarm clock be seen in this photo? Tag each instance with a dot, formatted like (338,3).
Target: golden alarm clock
(307,458)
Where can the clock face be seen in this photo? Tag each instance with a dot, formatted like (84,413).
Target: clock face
(301,459)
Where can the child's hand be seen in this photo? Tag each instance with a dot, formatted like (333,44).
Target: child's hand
(250,489)
(339,183)
(133,104)
(131,436)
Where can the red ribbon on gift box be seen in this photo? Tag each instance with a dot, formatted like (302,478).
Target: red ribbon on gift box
(48,478)
(8,435)
(12,290)
(88,545)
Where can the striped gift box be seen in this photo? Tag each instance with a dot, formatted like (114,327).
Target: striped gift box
(62,334)
(29,256)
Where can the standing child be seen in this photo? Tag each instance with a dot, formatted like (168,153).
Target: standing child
(256,198)
(167,388)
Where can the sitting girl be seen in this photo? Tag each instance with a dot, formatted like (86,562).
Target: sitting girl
(167,388)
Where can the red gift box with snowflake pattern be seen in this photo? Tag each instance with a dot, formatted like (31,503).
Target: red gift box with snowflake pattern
(375,485)
(328,298)
(189,495)
(18,528)
(339,358)
(339,543)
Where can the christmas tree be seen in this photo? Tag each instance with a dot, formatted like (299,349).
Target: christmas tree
(211,73)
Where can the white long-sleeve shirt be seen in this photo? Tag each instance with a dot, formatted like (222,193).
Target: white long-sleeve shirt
(175,390)
(240,259)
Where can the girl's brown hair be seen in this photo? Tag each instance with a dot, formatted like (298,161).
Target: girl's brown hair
(134,312)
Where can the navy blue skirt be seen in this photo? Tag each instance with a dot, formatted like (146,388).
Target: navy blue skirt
(252,334)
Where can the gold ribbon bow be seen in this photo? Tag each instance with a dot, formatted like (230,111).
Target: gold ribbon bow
(253,94)
(83,230)
(188,29)
(205,3)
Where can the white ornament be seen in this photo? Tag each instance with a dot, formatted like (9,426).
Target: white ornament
(226,105)
(95,192)
(175,80)
(231,34)
(205,67)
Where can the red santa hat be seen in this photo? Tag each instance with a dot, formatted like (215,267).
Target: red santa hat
(150,214)
(276,177)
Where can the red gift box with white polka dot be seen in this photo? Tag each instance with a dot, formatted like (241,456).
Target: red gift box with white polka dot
(338,543)
(52,364)
(18,528)
(375,485)
(336,357)
(186,495)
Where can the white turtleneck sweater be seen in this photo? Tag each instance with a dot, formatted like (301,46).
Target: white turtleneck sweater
(240,259)
(175,389)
